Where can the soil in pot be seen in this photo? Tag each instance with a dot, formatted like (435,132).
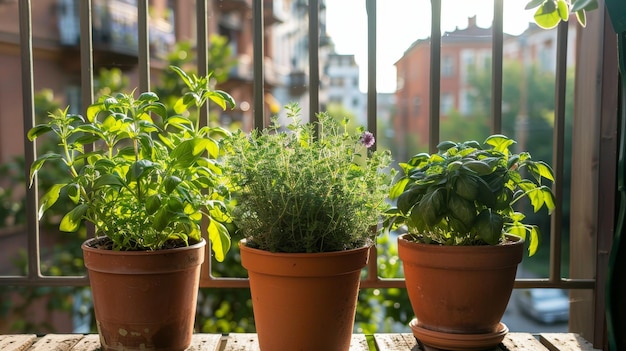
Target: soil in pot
(144,300)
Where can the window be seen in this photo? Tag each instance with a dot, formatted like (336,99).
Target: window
(447,66)
(447,103)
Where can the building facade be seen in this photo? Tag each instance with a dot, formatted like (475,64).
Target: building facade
(55,26)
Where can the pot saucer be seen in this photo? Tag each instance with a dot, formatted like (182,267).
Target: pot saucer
(439,341)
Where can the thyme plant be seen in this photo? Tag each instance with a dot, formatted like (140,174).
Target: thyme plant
(309,188)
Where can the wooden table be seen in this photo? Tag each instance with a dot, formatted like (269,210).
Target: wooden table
(248,342)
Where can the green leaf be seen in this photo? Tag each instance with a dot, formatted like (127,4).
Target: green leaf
(185,153)
(533,243)
(179,122)
(158,109)
(544,170)
(581,16)
(38,130)
(153,203)
(212,147)
(140,168)
(71,221)
(463,210)
(586,5)
(445,145)
(175,205)
(536,197)
(408,199)
(548,198)
(221,99)
(36,166)
(517,229)
(161,219)
(534,3)
(93,110)
(547,16)
(73,192)
(183,76)
(489,226)
(109,180)
(220,240)
(49,199)
(481,168)
(148,97)
(500,142)
(180,106)
(563,9)
(170,183)
(418,160)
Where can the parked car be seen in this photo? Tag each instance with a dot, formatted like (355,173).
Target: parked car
(544,305)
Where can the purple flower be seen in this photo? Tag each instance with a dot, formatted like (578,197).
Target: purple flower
(367,139)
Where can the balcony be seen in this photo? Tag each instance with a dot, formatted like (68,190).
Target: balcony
(298,83)
(273,12)
(115,38)
(593,169)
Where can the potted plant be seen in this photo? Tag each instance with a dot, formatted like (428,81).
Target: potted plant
(307,203)
(146,187)
(464,238)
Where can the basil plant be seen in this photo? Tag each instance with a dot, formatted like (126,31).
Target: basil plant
(466,194)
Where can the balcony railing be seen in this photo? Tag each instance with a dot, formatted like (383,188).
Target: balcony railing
(595,142)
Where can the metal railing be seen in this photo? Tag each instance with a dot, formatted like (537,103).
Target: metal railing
(34,276)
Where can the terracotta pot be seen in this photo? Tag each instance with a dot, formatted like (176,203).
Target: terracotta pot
(304,301)
(144,300)
(460,289)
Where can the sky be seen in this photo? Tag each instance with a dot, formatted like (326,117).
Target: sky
(401,22)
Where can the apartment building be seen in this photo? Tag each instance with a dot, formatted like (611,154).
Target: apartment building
(56,40)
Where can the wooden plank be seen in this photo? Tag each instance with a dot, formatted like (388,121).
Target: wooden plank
(521,341)
(241,342)
(205,342)
(396,342)
(57,342)
(359,343)
(89,342)
(16,342)
(565,342)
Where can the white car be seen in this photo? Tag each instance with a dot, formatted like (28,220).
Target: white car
(544,305)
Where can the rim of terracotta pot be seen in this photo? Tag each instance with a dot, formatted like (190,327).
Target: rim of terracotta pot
(308,264)
(500,255)
(132,263)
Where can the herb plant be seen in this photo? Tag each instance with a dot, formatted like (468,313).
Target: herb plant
(149,178)
(550,13)
(314,187)
(465,194)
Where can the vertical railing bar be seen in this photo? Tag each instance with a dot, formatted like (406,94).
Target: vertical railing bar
(28,110)
(202,39)
(258,44)
(143,45)
(558,151)
(86,70)
(496,67)
(202,66)
(86,56)
(314,66)
(435,75)
(372,123)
